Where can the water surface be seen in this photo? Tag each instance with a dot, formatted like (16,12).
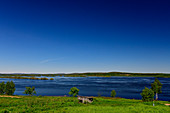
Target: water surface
(126,87)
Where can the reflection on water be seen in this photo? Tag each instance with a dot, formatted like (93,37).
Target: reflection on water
(126,87)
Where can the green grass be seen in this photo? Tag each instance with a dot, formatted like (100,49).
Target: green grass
(46,104)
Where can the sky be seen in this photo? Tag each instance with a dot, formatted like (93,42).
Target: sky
(65,36)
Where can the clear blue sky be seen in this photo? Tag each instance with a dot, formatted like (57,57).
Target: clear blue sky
(84,36)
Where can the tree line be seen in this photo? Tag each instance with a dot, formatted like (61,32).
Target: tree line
(102,74)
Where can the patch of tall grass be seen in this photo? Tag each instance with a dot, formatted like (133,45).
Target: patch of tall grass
(70,105)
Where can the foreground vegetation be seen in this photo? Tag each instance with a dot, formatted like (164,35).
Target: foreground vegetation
(28,104)
(108,74)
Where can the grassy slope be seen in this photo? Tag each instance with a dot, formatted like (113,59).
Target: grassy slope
(71,105)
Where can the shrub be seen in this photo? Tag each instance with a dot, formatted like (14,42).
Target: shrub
(44,78)
(74,91)
(51,78)
(40,96)
(10,88)
(2,88)
(113,93)
(30,91)
(147,94)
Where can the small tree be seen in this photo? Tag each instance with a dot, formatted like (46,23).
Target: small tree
(2,88)
(147,94)
(113,93)
(74,91)
(10,88)
(156,87)
(30,91)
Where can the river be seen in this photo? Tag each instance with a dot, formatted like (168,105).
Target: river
(125,87)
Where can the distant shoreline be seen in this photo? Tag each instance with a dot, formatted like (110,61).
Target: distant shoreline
(99,74)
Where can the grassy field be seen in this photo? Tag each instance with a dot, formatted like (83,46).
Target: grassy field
(25,104)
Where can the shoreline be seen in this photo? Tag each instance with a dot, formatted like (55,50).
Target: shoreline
(104,97)
(89,74)
(43,77)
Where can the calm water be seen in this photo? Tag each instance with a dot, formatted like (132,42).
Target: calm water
(126,87)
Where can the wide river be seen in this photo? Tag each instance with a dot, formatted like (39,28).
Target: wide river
(125,87)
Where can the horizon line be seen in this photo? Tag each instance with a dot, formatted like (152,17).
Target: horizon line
(82,72)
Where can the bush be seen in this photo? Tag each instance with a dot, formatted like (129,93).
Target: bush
(10,88)
(51,78)
(2,88)
(113,93)
(147,94)
(44,78)
(30,91)
(74,91)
